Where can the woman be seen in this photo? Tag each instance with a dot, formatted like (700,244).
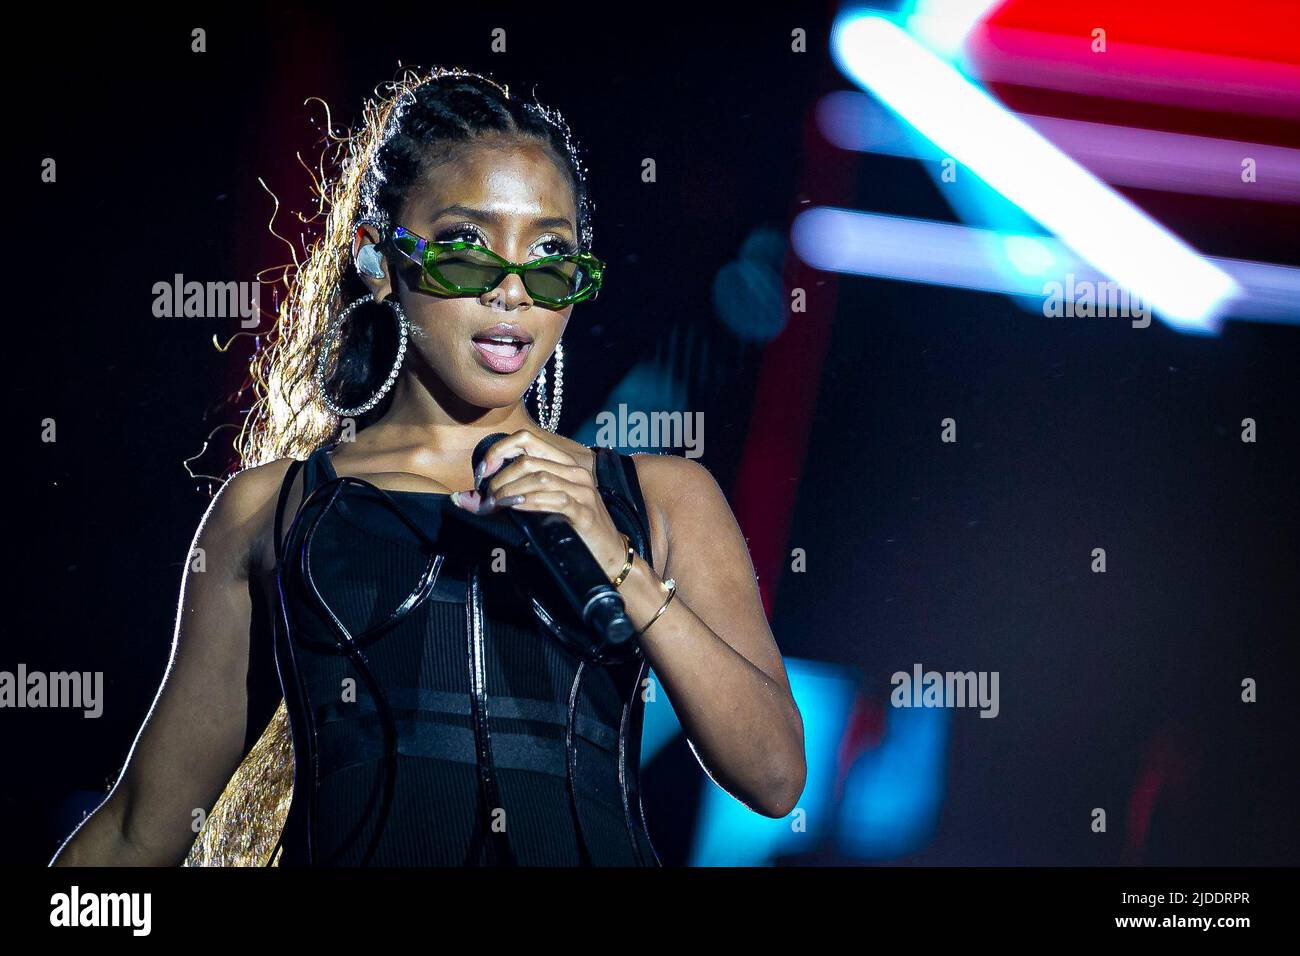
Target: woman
(440,707)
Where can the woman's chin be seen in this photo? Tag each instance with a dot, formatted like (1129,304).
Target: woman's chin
(500,396)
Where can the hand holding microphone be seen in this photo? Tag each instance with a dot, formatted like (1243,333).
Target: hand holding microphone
(555,503)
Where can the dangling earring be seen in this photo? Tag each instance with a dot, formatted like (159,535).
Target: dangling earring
(403,331)
(549,419)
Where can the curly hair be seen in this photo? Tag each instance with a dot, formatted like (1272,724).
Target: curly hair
(407,125)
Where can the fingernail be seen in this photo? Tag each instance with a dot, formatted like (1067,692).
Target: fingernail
(468,500)
(487,505)
(479,470)
(510,501)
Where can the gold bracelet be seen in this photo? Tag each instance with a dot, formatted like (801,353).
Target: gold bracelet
(627,568)
(671,585)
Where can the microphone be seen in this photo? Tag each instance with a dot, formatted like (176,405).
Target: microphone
(569,561)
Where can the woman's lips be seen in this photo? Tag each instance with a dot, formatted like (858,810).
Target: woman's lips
(503,357)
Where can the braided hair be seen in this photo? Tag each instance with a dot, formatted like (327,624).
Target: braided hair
(428,120)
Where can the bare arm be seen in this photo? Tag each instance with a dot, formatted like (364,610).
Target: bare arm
(193,738)
(712,648)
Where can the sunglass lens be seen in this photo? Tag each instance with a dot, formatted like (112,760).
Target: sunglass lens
(557,280)
(468,268)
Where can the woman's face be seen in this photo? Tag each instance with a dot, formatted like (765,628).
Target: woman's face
(512,196)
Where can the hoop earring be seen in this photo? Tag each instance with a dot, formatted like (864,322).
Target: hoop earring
(403,332)
(549,419)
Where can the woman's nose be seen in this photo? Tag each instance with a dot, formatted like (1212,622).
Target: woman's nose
(510,294)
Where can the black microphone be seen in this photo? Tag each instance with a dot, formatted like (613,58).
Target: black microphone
(569,561)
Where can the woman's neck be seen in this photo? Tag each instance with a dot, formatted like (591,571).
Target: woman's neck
(418,417)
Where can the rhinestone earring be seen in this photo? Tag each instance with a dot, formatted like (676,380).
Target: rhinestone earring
(549,419)
(322,363)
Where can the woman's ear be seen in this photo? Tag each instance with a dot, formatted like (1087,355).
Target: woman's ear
(369,261)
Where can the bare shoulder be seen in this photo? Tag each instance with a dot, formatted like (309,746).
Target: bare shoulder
(247,493)
(241,513)
(680,495)
(669,479)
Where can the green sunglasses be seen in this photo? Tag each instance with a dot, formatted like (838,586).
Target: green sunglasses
(461,269)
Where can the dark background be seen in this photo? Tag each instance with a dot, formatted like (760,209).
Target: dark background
(1072,434)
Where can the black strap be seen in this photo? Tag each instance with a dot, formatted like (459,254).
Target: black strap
(617,477)
(295,466)
(435,707)
(497,841)
(618,483)
(277,533)
(632,484)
